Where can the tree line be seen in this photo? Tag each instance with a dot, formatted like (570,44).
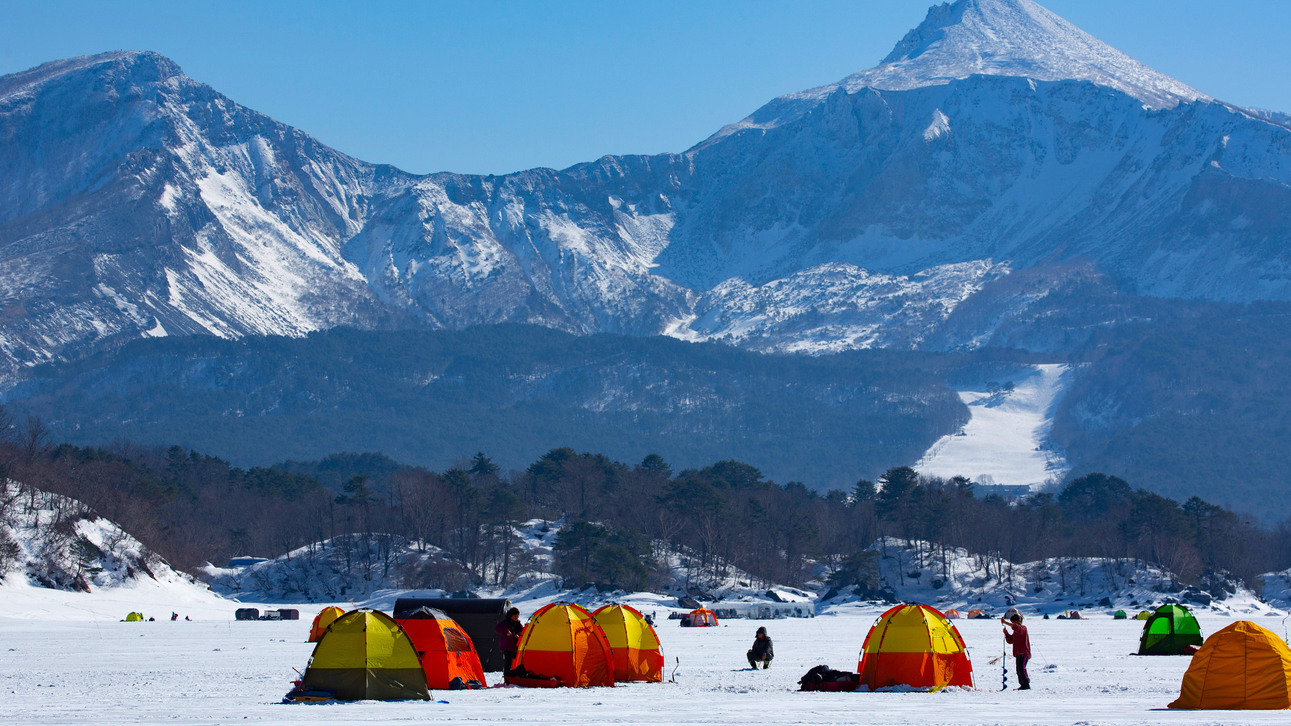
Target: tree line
(632,526)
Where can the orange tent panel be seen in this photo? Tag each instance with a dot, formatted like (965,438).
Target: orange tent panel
(702,618)
(563,646)
(1242,667)
(445,650)
(914,645)
(322,620)
(634,643)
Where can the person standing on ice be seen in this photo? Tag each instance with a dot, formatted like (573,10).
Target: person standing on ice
(762,651)
(508,630)
(1021,647)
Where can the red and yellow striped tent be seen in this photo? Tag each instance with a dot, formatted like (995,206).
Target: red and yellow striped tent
(563,646)
(324,618)
(914,645)
(637,653)
(701,618)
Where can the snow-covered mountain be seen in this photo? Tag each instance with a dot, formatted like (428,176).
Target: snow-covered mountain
(995,139)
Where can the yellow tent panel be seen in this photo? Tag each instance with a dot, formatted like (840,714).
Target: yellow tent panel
(914,645)
(325,617)
(633,642)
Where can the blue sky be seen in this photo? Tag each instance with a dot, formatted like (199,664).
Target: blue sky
(492,87)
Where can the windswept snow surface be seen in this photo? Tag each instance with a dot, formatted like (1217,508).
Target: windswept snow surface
(1005,441)
(221,672)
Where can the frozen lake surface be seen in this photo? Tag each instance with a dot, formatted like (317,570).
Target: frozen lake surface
(216,671)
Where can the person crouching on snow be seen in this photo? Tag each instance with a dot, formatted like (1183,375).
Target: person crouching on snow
(761,652)
(1021,648)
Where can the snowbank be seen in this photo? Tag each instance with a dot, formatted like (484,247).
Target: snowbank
(953,578)
(61,561)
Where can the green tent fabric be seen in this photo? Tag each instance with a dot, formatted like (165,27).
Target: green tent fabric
(1169,631)
(134,617)
(1120,615)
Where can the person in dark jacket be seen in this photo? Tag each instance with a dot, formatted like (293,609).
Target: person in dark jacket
(762,651)
(508,630)
(1021,648)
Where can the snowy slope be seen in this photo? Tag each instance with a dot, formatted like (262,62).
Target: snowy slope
(1012,38)
(63,561)
(1006,440)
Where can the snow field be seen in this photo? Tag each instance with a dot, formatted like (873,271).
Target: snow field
(60,671)
(1004,441)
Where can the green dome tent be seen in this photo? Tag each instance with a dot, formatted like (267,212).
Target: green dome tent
(1120,615)
(1170,631)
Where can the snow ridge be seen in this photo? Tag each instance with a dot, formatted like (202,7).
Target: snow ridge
(1012,38)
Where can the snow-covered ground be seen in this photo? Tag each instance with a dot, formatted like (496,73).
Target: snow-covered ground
(95,671)
(1005,440)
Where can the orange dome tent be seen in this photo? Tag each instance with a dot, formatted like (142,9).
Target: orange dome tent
(445,650)
(701,618)
(1243,666)
(635,645)
(976,615)
(914,645)
(324,618)
(562,646)
(953,615)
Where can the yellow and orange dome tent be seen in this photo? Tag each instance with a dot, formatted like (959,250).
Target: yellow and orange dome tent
(324,618)
(953,615)
(701,618)
(363,655)
(1242,667)
(635,645)
(914,645)
(562,646)
(977,615)
(445,650)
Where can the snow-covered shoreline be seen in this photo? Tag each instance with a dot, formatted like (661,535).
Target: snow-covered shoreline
(217,672)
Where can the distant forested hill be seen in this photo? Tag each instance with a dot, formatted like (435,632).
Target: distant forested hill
(433,398)
(1189,401)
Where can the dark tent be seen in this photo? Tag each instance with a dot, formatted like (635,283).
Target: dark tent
(477,616)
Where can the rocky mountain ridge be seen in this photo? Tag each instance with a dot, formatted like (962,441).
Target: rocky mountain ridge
(995,139)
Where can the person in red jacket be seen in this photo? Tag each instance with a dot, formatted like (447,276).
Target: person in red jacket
(1021,648)
(508,630)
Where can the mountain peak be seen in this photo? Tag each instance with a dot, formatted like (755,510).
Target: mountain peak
(1011,38)
(138,65)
